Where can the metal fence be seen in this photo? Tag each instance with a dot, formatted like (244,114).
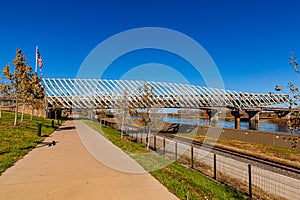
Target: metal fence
(252,180)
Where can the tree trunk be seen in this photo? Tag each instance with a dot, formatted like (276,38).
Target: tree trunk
(16,113)
(55,112)
(148,137)
(122,126)
(22,115)
(32,110)
(1,109)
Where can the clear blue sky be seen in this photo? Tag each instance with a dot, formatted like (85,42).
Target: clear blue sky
(250,41)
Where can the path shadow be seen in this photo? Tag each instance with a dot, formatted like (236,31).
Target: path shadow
(46,136)
(49,144)
(65,128)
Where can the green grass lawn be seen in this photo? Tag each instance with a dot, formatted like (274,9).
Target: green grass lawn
(15,142)
(180,180)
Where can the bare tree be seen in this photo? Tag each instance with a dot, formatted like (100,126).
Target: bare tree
(294,121)
(122,114)
(155,122)
(151,118)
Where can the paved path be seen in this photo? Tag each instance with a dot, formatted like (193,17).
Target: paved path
(68,171)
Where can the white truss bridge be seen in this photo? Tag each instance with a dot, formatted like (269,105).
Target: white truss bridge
(99,93)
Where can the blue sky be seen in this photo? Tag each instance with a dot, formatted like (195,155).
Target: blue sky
(250,41)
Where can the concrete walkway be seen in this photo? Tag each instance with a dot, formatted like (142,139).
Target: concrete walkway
(68,171)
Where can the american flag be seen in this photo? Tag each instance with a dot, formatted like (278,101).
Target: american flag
(39,59)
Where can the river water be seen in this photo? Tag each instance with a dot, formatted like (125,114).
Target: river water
(262,126)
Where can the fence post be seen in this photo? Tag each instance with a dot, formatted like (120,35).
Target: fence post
(192,157)
(52,125)
(215,166)
(250,180)
(142,138)
(175,150)
(164,146)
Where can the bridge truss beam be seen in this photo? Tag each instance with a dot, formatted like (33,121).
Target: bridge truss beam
(98,93)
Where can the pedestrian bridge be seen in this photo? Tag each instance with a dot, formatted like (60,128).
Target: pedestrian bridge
(99,93)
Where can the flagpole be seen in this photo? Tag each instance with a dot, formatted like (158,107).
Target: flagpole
(36,49)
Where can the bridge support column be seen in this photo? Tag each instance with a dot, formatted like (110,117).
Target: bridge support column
(213,117)
(285,115)
(237,118)
(253,119)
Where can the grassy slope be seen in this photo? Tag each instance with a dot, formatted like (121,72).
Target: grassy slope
(15,142)
(183,182)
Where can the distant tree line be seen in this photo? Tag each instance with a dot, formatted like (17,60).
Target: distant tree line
(22,87)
